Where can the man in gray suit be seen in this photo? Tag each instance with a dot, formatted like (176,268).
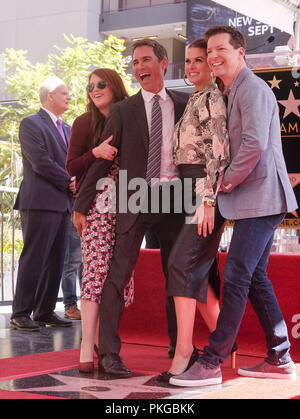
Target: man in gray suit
(45,202)
(256,193)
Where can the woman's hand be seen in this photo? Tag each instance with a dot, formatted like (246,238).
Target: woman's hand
(105,150)
(205,217)
(79,221)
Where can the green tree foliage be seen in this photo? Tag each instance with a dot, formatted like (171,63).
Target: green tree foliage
(72,64)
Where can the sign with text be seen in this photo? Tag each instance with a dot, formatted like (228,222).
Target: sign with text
(261,38)
(285,83)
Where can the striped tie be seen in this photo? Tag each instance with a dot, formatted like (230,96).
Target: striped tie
(154,155)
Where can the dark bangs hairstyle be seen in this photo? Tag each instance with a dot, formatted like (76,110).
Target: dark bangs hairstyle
(202,44)
(116,85)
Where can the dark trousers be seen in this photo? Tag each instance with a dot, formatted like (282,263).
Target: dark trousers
(72,268)
(245,276)
(41,262)
(126,252)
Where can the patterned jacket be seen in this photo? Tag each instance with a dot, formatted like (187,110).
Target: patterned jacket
(201,137)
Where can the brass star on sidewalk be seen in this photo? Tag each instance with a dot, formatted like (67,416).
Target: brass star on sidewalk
(291,105)
(294,179)
(274,83)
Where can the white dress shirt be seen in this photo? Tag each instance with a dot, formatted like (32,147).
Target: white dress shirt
(168,170)
(52,116)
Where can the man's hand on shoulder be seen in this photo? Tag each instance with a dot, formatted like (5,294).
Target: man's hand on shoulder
(226,188)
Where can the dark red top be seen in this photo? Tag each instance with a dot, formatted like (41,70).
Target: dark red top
(80,156)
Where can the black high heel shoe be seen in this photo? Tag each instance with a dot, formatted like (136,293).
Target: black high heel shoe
(165,376)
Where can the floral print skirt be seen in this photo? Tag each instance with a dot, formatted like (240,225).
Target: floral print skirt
(97,248)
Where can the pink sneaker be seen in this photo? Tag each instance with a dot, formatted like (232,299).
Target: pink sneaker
(266,370)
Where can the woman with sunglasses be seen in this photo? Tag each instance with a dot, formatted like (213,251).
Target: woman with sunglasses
(105,87)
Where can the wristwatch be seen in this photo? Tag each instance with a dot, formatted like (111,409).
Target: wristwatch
(209,201)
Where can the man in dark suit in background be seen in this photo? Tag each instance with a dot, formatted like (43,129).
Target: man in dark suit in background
(45,202)
(135,134)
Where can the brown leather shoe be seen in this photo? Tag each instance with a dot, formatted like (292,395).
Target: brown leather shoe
(73,313)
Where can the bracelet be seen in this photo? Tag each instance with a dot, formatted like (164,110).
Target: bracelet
(209,201)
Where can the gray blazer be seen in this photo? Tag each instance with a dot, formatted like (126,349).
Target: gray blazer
(257,172)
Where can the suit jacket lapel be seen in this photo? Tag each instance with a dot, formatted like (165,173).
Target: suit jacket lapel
(177,107)
(140,112)
(53,129)
(240,78)
(230,100)
(141,118)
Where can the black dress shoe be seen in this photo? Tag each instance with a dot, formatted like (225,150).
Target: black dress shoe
(112,364)
(24,323)
(165,376)
(54,321)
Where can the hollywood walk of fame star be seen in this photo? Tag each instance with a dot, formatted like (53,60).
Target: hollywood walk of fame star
(116,389)
(291,105)
(294,179)
(274,83)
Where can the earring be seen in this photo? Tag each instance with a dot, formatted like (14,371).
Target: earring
(185,80)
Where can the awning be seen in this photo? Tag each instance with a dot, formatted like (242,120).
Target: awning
(281,14)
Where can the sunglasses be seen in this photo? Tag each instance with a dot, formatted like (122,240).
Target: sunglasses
(101,85)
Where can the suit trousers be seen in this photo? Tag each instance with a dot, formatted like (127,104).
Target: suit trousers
(41,262)
(167,227)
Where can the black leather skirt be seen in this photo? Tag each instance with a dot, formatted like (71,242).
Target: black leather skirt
(193,260)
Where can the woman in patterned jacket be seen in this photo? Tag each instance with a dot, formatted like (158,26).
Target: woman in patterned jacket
(201,153)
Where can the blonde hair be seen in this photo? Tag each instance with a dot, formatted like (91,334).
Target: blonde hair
(48,86)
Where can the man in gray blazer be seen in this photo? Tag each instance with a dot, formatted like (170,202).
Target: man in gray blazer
(256,193)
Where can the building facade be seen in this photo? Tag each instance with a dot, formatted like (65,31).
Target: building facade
(37,26)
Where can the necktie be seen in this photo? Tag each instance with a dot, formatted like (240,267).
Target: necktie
(154,155)
(61,131)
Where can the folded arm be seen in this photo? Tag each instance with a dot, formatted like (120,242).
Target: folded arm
(217,159)
(98,170)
